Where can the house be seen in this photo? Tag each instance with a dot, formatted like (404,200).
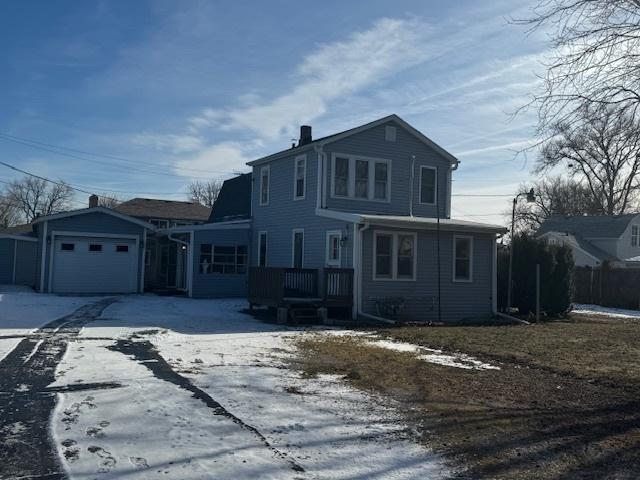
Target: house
(18,255)
(359,221)
(596,239)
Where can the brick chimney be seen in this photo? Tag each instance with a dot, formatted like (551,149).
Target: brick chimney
(305,135)
(93,201)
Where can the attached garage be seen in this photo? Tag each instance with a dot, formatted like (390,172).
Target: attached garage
(91,251)
(83,264)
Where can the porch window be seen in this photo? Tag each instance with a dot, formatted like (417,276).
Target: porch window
(428,185)
(463,259)
(262,249)
(300,174)
(264,185)
(298,249)
(394,256)
(635,235)
(334,254)
(223,259)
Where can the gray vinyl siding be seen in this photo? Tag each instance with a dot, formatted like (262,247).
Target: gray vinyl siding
(460,300)
(97,223)
(283,214)
(7,246)
(215,285)
(372,143)
(623,248)
(26,263)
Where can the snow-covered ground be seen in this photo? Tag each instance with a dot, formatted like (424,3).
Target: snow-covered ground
(22,311)
(151,428)
(606,311)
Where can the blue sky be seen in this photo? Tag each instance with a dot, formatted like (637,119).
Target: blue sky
(148,95)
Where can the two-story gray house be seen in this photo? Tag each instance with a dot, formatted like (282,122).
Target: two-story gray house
(358,222)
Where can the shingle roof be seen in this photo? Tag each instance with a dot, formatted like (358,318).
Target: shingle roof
(592,249)
(169,209)
(600,226)
(234,200)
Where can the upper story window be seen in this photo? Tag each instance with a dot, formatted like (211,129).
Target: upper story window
(394,256)
(390,133)
(462,258)
(428,185)
(635,235)
(300,174)
(360,178)
(264,185)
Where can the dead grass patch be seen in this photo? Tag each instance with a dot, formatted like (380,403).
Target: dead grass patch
(564,405)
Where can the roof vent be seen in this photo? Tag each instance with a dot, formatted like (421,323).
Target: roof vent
(305,135)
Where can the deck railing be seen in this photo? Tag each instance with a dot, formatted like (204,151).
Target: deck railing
(276,286)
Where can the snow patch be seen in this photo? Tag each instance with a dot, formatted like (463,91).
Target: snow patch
(605,311)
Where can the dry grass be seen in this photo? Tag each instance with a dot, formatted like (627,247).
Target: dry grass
(564,405)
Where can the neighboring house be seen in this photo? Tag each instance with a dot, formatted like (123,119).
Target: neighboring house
(165,260)
(596,239)
(359,220)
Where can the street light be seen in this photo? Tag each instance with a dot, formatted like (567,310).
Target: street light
(531,197)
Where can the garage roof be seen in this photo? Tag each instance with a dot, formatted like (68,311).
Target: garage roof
(85,211)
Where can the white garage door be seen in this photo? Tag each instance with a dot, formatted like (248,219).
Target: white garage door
(94,265)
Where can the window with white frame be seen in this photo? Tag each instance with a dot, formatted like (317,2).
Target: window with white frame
(394,256)
(225,259)
(297,248)
(299,186)
(360,178)
(264,185)
(462,258)
(334,248)
(428,185)
(262,249)
(635,235)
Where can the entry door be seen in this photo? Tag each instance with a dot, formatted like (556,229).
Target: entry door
(298,249)
(171,265)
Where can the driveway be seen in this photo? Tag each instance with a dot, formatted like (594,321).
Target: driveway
(143,387)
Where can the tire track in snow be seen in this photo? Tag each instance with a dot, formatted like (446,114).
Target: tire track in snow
(146,354)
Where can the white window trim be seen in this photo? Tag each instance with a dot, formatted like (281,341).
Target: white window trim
(351,182)
(435,196)
(299,158)
(266,168)
(266,247)
(453,276)
(328,261)
(293,246)
(394,256)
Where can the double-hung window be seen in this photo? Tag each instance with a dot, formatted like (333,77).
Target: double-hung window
(394,256)
(361,178)
(264,185)
(462,258)
(428,185)
(635,235)
(299,178)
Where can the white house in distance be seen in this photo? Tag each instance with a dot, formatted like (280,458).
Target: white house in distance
(596,239)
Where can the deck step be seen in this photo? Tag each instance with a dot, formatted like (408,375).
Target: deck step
(303,314)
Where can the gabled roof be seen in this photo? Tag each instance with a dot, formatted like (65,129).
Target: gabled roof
(582,244)
(86,211)
(339,136)
(164,209)
(593,226)
(234,200)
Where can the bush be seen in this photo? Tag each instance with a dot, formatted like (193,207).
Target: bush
(556,276)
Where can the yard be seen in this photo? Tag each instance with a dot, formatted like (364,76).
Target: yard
(550,401)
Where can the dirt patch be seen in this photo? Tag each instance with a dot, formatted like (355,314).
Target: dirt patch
(564,404)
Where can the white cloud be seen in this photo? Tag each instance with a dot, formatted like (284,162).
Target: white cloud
(220,159)
(172,143)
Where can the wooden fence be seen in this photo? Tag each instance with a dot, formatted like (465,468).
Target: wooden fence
(610,287)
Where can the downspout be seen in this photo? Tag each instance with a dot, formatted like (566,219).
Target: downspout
(43,256)
(319,184)
(411,181)
(144,259)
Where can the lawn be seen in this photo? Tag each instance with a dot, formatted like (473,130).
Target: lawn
(564,404)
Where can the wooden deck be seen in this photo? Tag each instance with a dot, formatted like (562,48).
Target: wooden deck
(282,287)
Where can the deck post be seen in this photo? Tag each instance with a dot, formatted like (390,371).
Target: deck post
(283,315)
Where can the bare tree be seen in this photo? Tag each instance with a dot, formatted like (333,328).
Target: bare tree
(109,201)
(602,152)
(9,214)
(595,45)
(554,196)
(34,197)
(205,193)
